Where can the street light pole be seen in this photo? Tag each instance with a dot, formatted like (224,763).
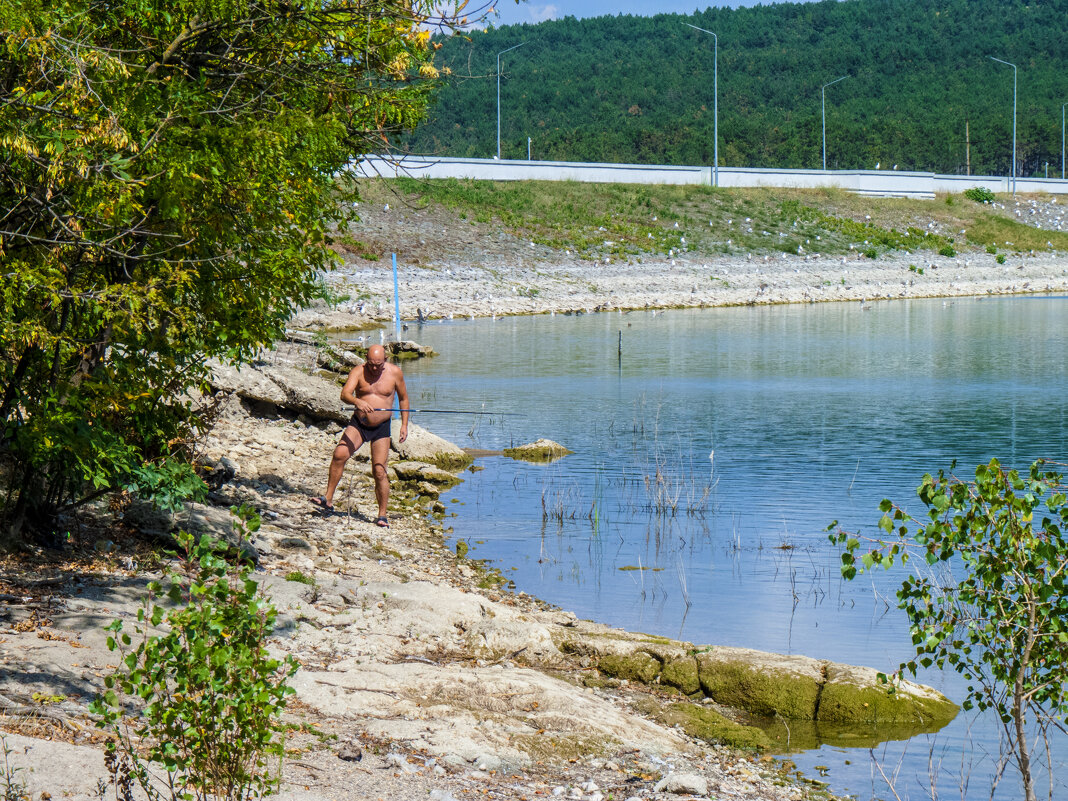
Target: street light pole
(1009,63)
(823,93)
(715,101)
(513,47)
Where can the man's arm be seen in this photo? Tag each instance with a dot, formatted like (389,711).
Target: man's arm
(402,404)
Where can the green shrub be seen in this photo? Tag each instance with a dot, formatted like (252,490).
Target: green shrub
(947,251)
(980,194)
(991,249)
(212,694)
(1001,618)
(1000,259)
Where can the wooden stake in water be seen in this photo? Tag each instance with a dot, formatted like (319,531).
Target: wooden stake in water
(620,351)
(396,300)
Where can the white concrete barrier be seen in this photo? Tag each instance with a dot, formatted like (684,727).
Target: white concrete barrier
(892,183)
(512,170)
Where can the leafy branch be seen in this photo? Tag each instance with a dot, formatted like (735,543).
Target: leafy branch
(997,610)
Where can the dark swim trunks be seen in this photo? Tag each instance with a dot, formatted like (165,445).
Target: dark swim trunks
(371,433)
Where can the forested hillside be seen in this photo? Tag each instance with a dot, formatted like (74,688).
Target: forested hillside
(640,89)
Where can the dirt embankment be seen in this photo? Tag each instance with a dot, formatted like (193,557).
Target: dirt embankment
(451,266)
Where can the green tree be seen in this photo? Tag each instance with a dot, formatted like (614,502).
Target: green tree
(998,613)
(913,67)
(166,194)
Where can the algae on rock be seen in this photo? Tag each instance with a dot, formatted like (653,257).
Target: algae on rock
(710,726)
(542,450)
(681,672)
(792,690)
(851,695)
(637,666)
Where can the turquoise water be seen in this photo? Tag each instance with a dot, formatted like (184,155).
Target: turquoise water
(716,449)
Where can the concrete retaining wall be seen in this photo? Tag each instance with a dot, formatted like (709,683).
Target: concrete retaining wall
(866,182)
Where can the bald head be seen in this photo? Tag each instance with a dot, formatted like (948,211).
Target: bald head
(376,353)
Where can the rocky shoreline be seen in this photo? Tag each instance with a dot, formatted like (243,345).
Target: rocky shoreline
(449,267)
(421,675)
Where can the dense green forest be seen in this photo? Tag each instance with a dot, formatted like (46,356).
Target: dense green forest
(921,86)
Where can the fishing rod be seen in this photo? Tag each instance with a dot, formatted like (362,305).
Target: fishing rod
(449,411)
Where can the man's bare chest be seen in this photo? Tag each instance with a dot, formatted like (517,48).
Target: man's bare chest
(383,385)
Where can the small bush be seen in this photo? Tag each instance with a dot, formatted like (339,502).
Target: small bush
(212,693)
(871,253)
(947,251)
(991,249)
(1000,259)
(980,194)
(300,578)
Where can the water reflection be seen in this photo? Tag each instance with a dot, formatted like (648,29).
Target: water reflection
(809,414)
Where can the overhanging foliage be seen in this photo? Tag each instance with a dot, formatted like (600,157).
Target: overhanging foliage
(166,188)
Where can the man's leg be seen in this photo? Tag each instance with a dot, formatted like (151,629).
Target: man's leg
(349,444)
(379,454)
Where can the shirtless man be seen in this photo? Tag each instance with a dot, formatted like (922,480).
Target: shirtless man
(370,388)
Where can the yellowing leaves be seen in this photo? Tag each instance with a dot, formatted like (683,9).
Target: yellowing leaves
(428,71)
(19,144)
(400,63)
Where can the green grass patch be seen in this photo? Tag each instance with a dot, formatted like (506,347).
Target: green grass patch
(616,221)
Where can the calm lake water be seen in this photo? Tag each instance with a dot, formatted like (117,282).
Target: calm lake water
(760,426)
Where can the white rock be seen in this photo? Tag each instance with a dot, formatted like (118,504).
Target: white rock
(683,783)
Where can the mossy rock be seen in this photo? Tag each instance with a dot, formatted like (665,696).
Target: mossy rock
(707,724)
(760,688)
(543,450)
(855,695)
(681,672)
(453,462)
(636,666)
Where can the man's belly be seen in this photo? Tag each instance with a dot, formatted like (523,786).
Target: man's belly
(376,402)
